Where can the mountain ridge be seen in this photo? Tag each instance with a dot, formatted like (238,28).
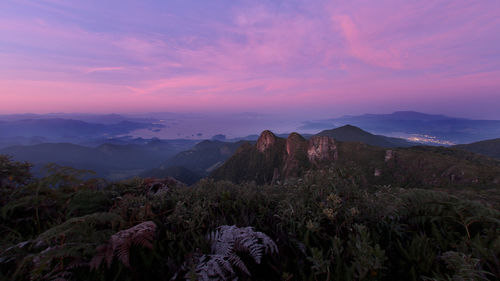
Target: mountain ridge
(59,128)
(421,127)
(112,161)
(273,159)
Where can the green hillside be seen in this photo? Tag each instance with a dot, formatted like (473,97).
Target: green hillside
(419,166)
(204,157)
(489,148)
(326,225)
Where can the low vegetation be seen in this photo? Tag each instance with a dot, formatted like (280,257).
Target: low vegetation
(326,225)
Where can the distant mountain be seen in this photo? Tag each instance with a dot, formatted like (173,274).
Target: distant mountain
(63,153)
(204,156)
(89,118)
(219,137)
(355,134)
(177,144)
(489,148)
(111,161)
(274,159)
(12,141)
(68,129)
(419,127)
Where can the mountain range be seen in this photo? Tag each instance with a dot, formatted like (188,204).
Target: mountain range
(208,155)
(111,118)
(112,161)
(274,159)
(417,127)
(191,160)
(68,129)
(431,129)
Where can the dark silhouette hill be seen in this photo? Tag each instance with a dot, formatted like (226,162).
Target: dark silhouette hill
(191,165)
(355,134)
(440,127)
(489,148)
(111,161)
(181,174)
(204,157)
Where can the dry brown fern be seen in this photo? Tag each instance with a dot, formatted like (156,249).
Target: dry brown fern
(119,244)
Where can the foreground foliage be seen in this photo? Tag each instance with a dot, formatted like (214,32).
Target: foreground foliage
(325,226)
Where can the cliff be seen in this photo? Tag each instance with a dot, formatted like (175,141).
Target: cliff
(273,158)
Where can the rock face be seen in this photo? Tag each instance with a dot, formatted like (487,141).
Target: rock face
(295,143)
(274,159)
(321,149)
(266,140)
(296,156)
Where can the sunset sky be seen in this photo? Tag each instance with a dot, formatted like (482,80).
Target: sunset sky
(317,58)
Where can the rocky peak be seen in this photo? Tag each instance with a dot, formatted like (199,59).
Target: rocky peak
(294,142)
(321,148)
(266,140)
(296,157)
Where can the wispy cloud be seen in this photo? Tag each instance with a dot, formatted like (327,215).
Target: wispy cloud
(103,69)
(242,54)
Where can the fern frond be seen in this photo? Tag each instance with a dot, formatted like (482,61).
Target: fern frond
(236,261)
(228,243)
(248,242)
(223,240)
(270,248)
(119,244)
(215,267)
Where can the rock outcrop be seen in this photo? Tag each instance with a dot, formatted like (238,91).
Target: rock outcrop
(266,140)
(296,156)
(274,159)
(295,144)
(321,149)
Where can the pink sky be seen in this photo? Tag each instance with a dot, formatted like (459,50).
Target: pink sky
(317,58)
